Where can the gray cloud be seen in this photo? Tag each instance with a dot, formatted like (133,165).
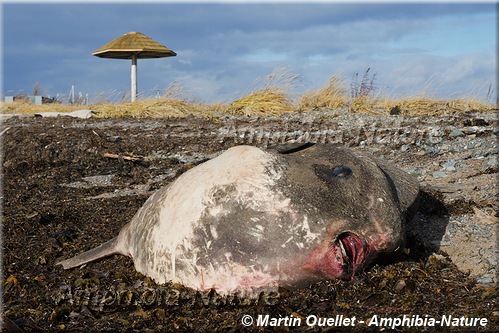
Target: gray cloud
(223,48)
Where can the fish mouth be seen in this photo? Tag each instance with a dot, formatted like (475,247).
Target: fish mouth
(354,251)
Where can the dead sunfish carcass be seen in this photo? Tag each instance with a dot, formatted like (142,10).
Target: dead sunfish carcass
(254,219)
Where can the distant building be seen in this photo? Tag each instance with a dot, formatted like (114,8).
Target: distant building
(37,100)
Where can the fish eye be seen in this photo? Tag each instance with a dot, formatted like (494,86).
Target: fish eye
(342,172)
(333,175)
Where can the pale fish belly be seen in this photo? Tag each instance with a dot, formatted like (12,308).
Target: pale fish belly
(165,251)
(228,230)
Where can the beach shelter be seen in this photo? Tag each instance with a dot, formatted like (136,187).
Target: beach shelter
(133,45)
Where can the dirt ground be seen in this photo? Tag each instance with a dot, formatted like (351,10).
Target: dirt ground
(71,184)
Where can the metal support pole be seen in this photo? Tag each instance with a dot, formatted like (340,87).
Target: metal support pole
(133,93)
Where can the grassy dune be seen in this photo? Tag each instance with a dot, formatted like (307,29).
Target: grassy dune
(271,96)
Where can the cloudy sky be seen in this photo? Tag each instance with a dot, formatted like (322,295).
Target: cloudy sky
(440,49)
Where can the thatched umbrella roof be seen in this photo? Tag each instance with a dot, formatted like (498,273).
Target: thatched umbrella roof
(133,45)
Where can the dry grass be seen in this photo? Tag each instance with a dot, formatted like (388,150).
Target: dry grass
(28,108)
(149,108)
(416,106)
(269,96)
(172,103)
(268,102)
(333,95)
(157,108)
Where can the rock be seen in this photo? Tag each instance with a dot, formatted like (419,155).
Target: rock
(404,148)
(395,110)
(471,130)
(82,114)
(456,133)
(439,174)
(475,122)
(485,279)
(492,161)
(450,165)
(435,139)
(400,285)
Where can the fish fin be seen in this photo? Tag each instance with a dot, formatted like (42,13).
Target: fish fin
(405,187)
(289,148)
(106,249)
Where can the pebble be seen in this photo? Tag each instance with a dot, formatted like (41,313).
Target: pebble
(450,165)
(400,285)
(471,145)
(471,130)
(404,148)
(439,174)
(484,279)
(455,133)
(433,150)
(434,140)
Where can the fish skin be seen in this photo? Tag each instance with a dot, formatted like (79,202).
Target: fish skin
(254,219)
